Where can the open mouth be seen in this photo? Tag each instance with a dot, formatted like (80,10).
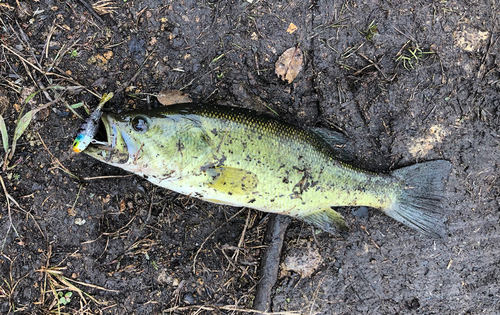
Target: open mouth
(102,136)
(93,131)
(111,140)
(106,135)
(99,138)
(107,144)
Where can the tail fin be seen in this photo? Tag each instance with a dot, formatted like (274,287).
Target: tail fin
(419,204)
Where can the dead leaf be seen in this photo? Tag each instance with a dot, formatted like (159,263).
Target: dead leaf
(291,28)
(302,260)
(420,147)
(122,205)
(289,64)
(170,97)
(108,54)
(42,114)
(470,38)
(27,95)
(71,212)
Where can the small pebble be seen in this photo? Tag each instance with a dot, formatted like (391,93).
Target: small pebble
(79,221)
(189,298)
(361,212)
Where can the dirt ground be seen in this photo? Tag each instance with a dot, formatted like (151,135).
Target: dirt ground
(408,81)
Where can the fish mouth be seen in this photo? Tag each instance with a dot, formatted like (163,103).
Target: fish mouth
(110,144)
(107,134)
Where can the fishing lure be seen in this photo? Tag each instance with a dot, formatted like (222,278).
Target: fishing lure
(89,128)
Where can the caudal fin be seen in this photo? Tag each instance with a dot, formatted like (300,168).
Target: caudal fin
(419,204)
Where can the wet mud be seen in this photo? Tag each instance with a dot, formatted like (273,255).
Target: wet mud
(406,81)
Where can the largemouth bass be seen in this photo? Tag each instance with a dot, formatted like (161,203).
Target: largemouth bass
(244,158)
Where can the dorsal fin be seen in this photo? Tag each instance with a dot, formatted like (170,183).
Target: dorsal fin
(338,142)
(332,137)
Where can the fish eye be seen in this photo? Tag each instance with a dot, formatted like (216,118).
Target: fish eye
(140,124)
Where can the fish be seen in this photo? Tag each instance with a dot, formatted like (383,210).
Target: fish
(244,158)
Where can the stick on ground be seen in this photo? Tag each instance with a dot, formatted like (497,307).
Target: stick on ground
(269,266)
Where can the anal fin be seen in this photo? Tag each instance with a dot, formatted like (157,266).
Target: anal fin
(325,219)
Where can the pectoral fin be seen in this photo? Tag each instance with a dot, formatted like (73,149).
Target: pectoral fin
(233,181)
(325,219)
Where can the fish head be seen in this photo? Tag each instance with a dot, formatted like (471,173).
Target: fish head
(128,141)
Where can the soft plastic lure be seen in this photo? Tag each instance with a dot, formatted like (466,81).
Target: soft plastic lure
(89,128)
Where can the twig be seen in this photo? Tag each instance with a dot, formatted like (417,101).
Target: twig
(47,43)
(77,196)
(60,54)
(61,167)
(199,78)
(315,295)
(91,285)
(211,234)
(123,227)
(126,84)
(23,59)
(227,308)
(242,237)
(269,265)
(89,7)
(37,68)
(374,64)
(407,36)
(107,177)
(11,225)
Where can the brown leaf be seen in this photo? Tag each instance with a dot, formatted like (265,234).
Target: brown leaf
(122,205)
(170,97)
(291,28)
(289,64)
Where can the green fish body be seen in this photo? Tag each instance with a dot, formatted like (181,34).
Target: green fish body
(243,158)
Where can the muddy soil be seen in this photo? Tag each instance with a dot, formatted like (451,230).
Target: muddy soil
(407,81)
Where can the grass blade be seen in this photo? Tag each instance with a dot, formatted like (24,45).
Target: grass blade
(5,136)
(22,124)
(53,87)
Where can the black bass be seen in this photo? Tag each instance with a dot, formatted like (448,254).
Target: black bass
(243,158)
